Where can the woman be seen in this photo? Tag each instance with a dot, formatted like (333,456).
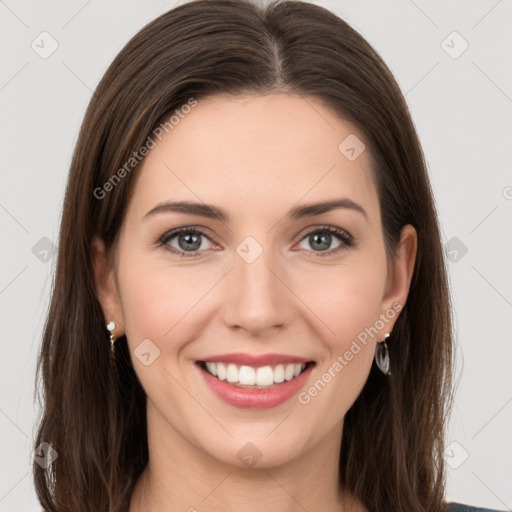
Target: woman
(250,308)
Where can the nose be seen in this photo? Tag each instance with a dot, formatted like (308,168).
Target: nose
(257,298)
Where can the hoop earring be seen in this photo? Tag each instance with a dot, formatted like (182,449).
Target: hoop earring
(111,328)
(382,356)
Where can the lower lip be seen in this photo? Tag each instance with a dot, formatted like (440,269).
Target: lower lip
(247,398)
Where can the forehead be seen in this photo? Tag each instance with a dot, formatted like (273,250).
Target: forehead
(255,150)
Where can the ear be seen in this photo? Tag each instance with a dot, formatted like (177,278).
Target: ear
(399,277)
(106,286)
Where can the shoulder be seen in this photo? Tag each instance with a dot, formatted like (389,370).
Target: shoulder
(460,507)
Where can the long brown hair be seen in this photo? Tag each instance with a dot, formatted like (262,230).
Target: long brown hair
(94,416)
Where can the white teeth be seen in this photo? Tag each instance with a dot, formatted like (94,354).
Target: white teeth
(279,374)
(289,372)
(249,376)
(212,368)
(265,376)
(221,371)
(232,373)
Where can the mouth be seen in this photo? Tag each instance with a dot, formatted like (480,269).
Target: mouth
(252,377)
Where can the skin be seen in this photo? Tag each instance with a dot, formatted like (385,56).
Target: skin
(256,157)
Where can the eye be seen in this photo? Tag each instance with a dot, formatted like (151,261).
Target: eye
(188,241)
(320,240)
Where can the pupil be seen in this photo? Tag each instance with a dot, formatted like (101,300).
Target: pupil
(192,240)
(323,237)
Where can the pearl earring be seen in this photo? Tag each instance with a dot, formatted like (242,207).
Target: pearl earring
(111,327)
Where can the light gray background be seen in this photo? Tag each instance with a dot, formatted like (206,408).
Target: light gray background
(461,107)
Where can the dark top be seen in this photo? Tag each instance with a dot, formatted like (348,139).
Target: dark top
(460,507)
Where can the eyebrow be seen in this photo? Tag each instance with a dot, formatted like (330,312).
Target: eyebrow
(214,212)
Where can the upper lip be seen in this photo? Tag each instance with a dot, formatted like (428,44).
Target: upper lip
(243,359)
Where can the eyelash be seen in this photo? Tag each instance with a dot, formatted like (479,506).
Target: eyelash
(346,239)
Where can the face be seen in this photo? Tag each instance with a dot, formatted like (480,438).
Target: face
(311,287)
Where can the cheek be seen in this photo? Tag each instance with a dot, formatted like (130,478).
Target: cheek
(158,305)
(348,302)
(149,304)
(154,297)
(345,298)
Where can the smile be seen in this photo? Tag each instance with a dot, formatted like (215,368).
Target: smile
(253,377)
(265,386)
